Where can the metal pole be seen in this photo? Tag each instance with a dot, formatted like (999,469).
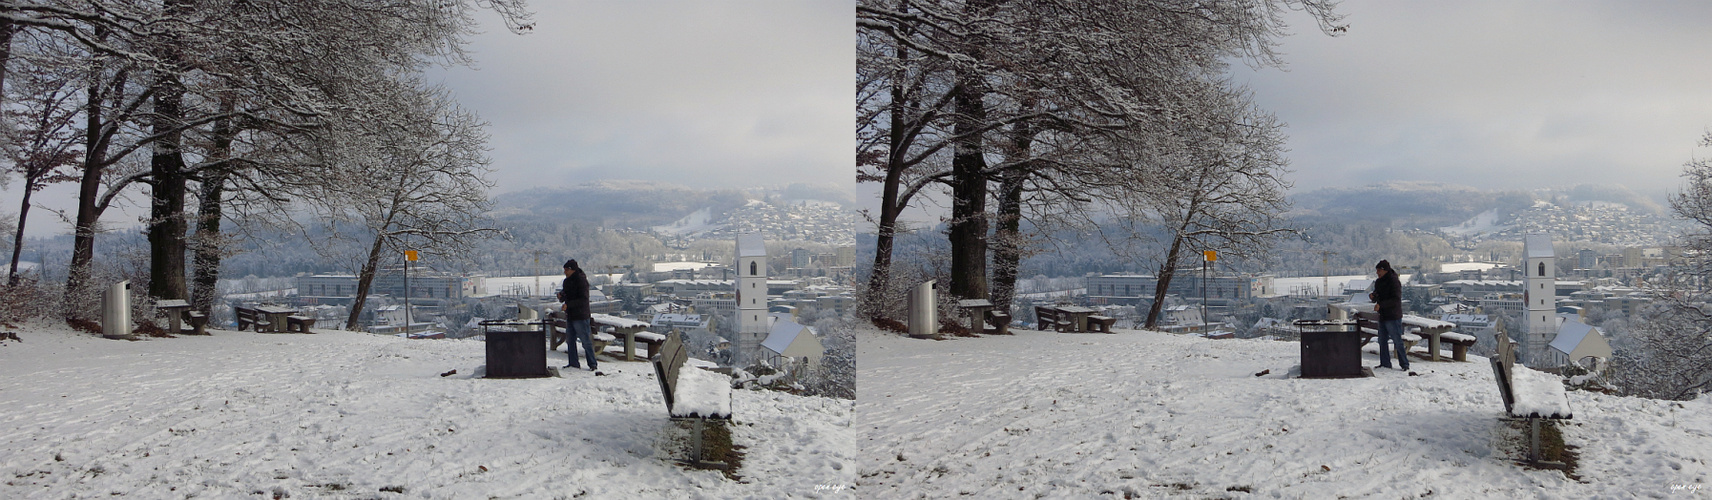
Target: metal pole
(407,297)
(1204,321)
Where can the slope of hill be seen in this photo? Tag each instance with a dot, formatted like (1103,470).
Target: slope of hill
(353,415)
(1148,415)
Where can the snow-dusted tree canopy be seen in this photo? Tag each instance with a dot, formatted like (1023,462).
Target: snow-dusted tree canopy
(246,100)
(1059,104)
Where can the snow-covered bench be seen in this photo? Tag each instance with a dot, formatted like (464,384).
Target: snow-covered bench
(299,324)
(633,331)
(1437,332)
(1103,324)
(1530,395)
(694,394)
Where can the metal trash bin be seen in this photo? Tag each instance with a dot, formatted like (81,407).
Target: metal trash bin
(516,349)
(116,311)
(923,312)
(1331,349)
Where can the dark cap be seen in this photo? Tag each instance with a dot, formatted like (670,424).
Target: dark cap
(572,264)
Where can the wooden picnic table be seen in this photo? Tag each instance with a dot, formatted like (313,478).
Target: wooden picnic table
(276,316)
(1078,316)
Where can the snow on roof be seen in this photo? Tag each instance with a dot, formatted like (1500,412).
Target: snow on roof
(1538,246)
(661,267)
(751,245)
(784,332)
(1453,267)
(1570,335)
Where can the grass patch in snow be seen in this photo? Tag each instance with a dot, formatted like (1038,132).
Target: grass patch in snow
(1552,447)
(716,439)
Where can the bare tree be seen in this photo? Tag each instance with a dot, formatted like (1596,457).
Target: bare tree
(414,182)
(41,137)
(1222,189)
(1670,342)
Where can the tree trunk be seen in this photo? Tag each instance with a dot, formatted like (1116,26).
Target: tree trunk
(207,243)
(968,231)
(1007,240)
(206,280)
(890,205)
(968,228)
(79,303)
(23,216)
(1166,271)
(364,279)
(166,168)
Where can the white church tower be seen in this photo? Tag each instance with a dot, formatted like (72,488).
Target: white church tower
(752,321)
(1540,294)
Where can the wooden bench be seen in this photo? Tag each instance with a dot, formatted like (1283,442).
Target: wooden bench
(247,318)
(694,395)
(1459,344)
(1102,324)
(198,322)
(1051,319)
(299,324)
(1529,395)
(1001,323)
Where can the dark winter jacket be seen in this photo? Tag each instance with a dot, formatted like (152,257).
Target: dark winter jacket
(576,296)
(1388,294)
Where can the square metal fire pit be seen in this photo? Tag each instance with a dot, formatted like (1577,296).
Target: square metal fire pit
(516,349)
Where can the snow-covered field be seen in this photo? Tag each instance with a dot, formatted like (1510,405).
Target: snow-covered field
(353,415)
(1146,414)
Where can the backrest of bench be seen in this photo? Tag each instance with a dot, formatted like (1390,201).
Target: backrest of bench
(671,359)
(1501,368)
(1045,315)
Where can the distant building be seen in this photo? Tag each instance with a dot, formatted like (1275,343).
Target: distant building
(799,258)
(666,322)
(425,283)
(788,339)
(1575,341)
(1539,296)
(1132,288)
(751,296)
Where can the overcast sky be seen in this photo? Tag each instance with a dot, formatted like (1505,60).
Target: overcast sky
(1515,95)
(698,93)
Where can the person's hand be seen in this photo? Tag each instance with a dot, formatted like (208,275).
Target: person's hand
(1376,308)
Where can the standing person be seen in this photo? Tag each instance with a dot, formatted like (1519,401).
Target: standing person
(1387,299)
(576,296)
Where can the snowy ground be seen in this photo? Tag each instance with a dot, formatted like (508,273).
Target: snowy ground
(353,415)
(1048,415)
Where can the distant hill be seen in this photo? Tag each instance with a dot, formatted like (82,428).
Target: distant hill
(1429,205)
(640,204)
(1406,204)
(614,203)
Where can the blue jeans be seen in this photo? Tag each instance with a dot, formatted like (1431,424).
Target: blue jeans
(578,330)
(1391,333)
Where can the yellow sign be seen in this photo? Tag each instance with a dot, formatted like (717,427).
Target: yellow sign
(410,255)
(1211,255)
